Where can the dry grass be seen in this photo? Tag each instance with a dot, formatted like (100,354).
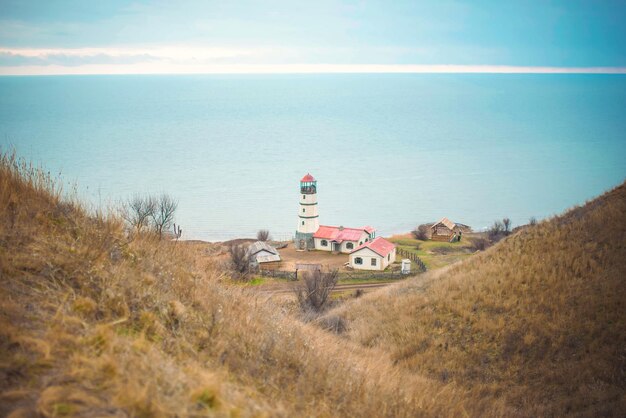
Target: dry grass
(537,321)
(92,324)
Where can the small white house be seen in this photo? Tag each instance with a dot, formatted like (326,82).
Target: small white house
(261,252)
(340,239)
(373,255)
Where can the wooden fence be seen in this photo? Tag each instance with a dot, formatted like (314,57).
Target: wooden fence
(413,257)
(371,275)
(348,275)
(280,274)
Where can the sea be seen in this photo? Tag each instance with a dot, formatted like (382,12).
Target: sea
(387,150)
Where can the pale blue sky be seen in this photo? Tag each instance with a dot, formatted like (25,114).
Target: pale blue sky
(198,36)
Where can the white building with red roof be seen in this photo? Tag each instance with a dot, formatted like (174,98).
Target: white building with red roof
(340,239)
(373,255)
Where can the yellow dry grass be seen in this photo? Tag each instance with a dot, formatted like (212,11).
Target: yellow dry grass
(538,321)
(93,323)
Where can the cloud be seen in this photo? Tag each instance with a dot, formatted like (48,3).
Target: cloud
(117,55)
(161,67)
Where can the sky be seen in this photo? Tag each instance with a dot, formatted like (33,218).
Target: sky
(193,36)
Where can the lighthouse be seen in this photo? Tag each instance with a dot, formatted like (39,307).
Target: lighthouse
(308,218)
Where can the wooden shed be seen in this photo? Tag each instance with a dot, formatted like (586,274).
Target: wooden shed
(262,253)
(444,230)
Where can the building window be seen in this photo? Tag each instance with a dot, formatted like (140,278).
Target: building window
(366,240)
(324,243)
(349,246)
(302,210)
(388,257)
(373,261)
(360,242)
(302,222)
(304,196)
(358,260)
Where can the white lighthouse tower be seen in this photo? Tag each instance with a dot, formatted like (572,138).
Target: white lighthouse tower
(308,218)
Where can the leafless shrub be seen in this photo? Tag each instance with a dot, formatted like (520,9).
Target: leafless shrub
(263,235)
(315,288)
(532,221)
(507,226)
(333,323)
(479,244)
(496,232)
(239,260)
(421,232)
(137,211)
(163,213)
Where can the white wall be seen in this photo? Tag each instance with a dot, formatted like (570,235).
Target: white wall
(366,254)
(343,247)
(308,225)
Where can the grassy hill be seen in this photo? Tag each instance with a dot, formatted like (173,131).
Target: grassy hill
(538,321)
(94,322)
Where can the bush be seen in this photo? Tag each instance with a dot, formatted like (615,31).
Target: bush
(479,244)
(421,232)
(239,260)
(333,323)
(507,226)
(315,288)
(263,235)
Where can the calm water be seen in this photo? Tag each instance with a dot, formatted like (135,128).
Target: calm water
(387,150)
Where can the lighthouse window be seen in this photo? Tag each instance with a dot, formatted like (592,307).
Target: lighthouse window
(304,196)
(373,261)
(302,222)
(358,260)
(349,245)
(324,243)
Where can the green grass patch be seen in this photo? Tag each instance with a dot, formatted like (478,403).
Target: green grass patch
(257,281)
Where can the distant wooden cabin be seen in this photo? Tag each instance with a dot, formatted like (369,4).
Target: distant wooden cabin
(444,230)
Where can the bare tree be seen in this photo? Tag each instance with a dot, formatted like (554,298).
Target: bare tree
(421,232)
(495,232)
(263,235)
(163,213)
(240,260)
(532,221)
(507,226)
(137,211)
(315,288)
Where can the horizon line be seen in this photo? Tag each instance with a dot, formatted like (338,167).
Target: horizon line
(142,69)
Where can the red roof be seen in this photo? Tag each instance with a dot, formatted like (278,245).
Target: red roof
(333,233)
(369,229)
(307,178)
(380,246)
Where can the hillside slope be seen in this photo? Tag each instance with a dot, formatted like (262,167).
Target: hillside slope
(94,323)
(538,321)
